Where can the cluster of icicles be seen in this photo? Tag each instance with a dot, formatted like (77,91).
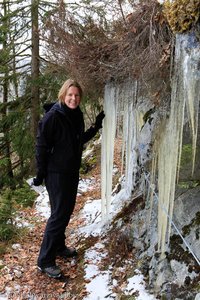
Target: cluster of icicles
(119,110)
(123,116)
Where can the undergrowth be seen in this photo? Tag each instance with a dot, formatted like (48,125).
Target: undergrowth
(11,201)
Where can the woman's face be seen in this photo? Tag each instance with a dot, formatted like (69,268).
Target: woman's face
(72,98)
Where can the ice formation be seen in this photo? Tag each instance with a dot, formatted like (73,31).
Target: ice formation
(184,104)
(107,153)
(118,106)
(123,117)
(191,86)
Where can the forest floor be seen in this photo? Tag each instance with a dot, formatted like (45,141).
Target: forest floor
(98,261)
(21,278)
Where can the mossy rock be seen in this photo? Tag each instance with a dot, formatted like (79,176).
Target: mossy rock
(181,14)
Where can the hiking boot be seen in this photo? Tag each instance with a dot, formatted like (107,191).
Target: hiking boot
(67,253)
(53,271)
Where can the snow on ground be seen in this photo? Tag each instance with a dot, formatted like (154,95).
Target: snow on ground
(99,284)
(85,185)
(97,278)
(136,283)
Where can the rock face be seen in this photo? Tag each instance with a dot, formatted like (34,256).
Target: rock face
(186,210)
(176,274)
(176,271)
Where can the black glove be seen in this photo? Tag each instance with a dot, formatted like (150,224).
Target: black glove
(99,119)
(38,180)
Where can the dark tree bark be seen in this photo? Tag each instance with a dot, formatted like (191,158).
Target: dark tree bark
(34,71)
(7,147)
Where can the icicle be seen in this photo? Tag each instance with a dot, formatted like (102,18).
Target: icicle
(107,153)
(130,136)
(123,99)
(168,153)
(170,144)
(191,85)
(167,157)
(151,188)
(125,133)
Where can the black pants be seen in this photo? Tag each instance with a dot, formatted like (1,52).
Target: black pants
(62,190)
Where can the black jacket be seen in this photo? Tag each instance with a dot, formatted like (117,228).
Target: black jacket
(60,139)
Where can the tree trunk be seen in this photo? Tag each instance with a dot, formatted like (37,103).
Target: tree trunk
(15,77)
(9,172)
(34,72)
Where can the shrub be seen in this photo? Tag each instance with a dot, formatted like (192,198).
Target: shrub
(24,195)
(7,228)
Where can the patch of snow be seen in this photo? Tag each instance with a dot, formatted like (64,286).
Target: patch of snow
(20,223)
(92,214)
(92,211)
(137,284)
(86,153)
(10,293)
(98,278)
(38,189)
(95,287)
(42,204)
(197,297)
(86,184)
(91,271)
(115,170)
(16,246)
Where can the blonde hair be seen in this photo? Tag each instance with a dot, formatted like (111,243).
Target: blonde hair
(66,85)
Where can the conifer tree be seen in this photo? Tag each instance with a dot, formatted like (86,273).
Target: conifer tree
(5,56)
(19,83)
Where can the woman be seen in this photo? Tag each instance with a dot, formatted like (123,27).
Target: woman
(59,147)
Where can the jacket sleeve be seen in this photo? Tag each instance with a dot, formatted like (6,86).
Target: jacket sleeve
(44,142)
(89,134)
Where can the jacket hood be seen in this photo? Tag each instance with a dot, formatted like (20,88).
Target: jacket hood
(48,106)
(63,109)
(57,106)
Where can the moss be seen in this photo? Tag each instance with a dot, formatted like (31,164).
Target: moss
(195,222)
(177,252)
(84,169)
(88,164)
(90,161)
(181,14)
(188,184)
(186,164)
(186,230)
(197,218)
(123,297)
(186,154)
(128,210)
(164,297)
